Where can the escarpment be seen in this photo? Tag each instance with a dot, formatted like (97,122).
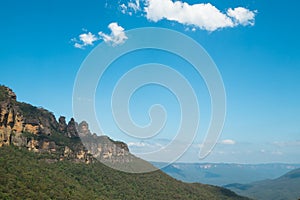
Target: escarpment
(37,129)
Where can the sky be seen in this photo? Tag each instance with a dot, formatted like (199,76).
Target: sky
(254,44)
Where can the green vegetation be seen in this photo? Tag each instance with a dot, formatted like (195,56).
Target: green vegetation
(29,111)
(30,135)
(33,113)
(24,175)
(3,93)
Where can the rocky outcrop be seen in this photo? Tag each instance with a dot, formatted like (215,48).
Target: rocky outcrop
(83,129)
(36,129)
(11,121)
(62,125)
(77,156)
(72,128)
(106,150)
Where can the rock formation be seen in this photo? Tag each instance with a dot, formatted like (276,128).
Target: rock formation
(72,129)
(62,125)
(36,129)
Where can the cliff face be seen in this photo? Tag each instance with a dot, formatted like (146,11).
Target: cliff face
(11,121)
(17,118)
(36,129)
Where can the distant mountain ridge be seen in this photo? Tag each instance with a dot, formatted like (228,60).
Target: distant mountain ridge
(225,173)
(42,158)
(286,187)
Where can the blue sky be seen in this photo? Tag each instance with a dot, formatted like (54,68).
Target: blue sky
(258,59)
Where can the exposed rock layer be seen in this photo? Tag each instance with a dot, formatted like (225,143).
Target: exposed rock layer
(36,129)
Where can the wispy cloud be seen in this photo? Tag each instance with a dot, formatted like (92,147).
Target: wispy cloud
(227,142)
(286,143)
(150,143)
(144,146)
(116,37)
(123,8)
(277,153)
(137,144)
(203,16)
(132,6)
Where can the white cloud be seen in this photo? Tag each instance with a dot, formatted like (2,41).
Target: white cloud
(228,142)
(144,146)
(88,38)
(117,35)
(137,144)
(85,39)
(123,8)
(134,5)
(242,16)
(203,15)
(77,45)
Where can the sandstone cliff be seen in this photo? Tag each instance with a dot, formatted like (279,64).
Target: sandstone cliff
(37,129)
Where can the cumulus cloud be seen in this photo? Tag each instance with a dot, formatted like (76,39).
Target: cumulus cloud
(227,142)
(85,39)
(242,16)
(202,15)
(117,35)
